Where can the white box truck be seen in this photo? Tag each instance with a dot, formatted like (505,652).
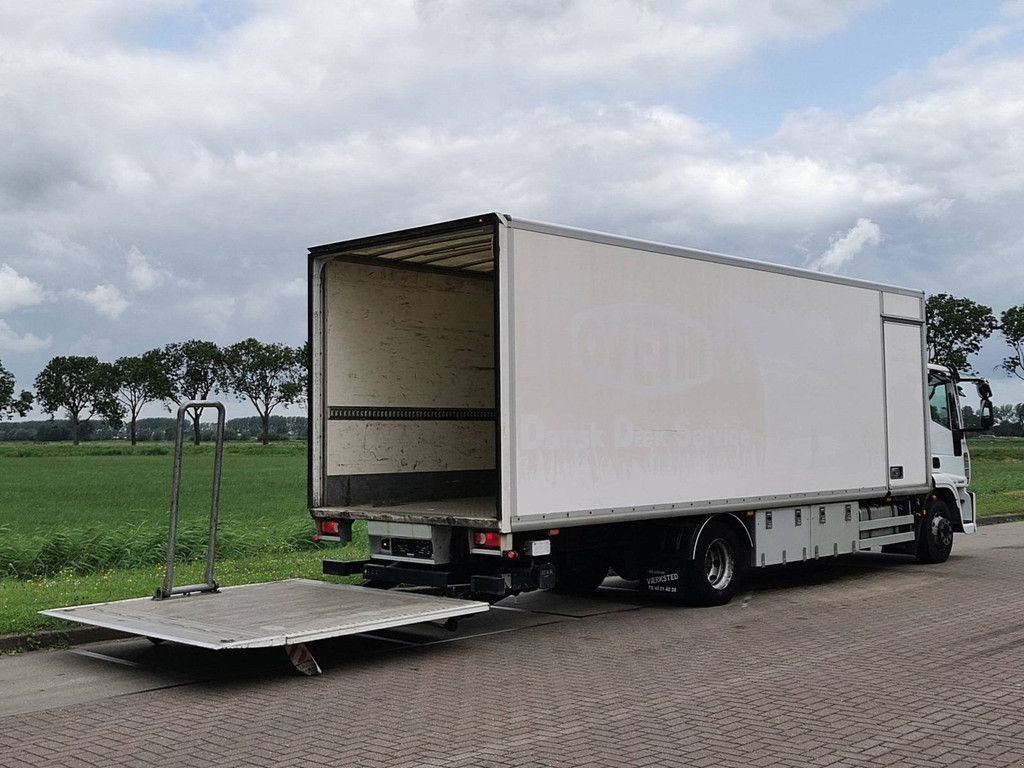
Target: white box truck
(513,405)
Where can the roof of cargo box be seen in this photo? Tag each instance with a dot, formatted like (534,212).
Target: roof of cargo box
(464,245)
(468,246)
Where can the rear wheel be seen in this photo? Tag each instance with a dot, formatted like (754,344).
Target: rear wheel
(935,539)
(714,572)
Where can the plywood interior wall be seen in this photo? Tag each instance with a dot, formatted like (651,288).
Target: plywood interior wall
(404,338)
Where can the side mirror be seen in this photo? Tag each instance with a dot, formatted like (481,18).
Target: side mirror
(986,417)
(985,414)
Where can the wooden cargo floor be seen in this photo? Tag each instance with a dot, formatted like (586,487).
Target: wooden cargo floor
(481,509)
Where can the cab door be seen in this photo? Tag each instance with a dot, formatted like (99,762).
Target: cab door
(948,445)
(950,459)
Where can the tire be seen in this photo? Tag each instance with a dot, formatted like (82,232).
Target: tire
(580,574)
(935,539)
(714,573)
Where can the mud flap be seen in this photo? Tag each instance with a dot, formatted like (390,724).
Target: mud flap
(668,584)
(967,510)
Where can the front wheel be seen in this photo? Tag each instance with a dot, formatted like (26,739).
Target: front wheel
(935,538)
(713,574)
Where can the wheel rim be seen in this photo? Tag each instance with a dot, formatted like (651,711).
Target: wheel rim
(718,564)
(942,531)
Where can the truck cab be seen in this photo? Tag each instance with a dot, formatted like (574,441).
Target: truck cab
(950,457)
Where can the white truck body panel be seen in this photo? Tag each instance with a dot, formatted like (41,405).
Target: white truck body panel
(647,379)
(906,419)
(902,306)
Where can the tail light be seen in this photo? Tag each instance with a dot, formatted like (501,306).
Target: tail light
(487,539)
(329,527)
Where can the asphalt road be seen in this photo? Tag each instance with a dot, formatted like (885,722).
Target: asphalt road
(868,660)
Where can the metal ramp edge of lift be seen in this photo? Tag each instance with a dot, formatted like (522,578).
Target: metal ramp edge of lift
(286,613)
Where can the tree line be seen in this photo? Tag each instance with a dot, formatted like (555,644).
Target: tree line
(151,430)
(958,327)
(1008,420)
(266,374)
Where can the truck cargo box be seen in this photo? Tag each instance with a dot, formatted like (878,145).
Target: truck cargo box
(512,375)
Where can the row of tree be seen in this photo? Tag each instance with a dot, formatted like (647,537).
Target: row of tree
(957,328)
(151,429)
(267,375)
(1007,420)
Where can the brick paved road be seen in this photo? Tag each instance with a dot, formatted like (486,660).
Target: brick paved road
(873,661)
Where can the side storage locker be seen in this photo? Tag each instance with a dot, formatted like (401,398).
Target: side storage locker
(782,535)
(835,529)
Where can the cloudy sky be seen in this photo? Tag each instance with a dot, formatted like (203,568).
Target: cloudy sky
(164,165)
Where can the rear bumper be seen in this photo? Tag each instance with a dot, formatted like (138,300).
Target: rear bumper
(504,581)
(344,567)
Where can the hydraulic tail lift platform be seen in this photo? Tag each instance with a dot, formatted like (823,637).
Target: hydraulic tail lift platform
(278,613)
(286,613)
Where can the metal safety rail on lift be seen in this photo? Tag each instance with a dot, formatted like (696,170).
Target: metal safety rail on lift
(167,589)
(286,613)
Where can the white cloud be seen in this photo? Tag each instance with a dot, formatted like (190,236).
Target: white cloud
(105,299)
(17,290)
(97,343)
(213,313)
(294,288)
(58,253)
(309,109)
(142,273)
(953,129)
(12,341)
(931,210)
(845,246)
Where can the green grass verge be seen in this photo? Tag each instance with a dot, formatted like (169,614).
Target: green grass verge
(997,474)
(105,505)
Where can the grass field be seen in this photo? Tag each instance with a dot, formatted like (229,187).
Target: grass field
(105,505)
(89,524)
(48,486)
(998,474)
